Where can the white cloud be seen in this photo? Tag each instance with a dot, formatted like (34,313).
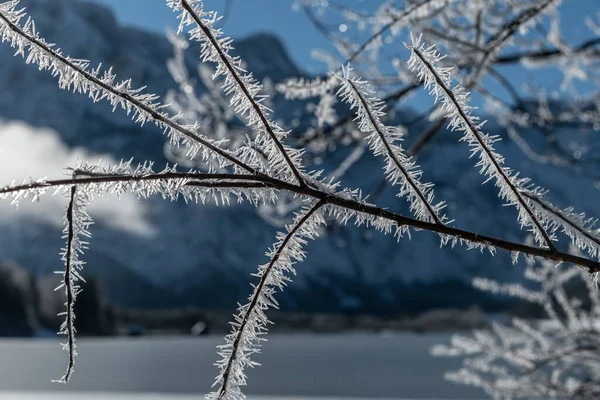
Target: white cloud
(28,152)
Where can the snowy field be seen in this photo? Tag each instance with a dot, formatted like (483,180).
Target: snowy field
(295,367)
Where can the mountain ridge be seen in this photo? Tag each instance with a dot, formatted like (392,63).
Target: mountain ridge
(350,269)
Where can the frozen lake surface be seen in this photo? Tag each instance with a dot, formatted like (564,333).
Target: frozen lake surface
(295,367)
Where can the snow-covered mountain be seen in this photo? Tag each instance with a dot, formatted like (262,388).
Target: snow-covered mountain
(158,253)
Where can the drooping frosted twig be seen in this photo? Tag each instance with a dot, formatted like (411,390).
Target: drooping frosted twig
(77,222)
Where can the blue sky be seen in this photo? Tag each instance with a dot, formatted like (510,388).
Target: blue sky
(246,17)
(300,37)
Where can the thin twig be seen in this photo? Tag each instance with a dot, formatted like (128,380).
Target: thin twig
(394,96)
(257,292)
(244,89)
(471,127)
(69,289)
(385,28)
(538,55)
(380,32)
(560,215)
(393,155)
(505,33)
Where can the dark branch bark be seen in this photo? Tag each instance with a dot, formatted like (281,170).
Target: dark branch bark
(539,55)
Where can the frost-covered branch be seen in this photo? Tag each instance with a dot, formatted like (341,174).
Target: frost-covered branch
(505,33)
(260,169)
(75,75)
(251,321)
(77,222)
(144,182)
(325,133)
(385,140)
(455,100)
(245,91)
(377,215)
(554,357)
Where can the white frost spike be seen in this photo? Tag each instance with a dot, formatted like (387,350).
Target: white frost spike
(28,190)
(325,111)
(251,321)
(385,141)
(246,98)
(142,181)
(170,184)
(301,88)
(455,104)
(514,255)
(77,222)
